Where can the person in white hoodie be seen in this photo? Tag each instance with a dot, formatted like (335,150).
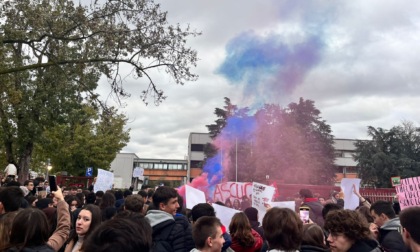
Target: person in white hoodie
(208,235)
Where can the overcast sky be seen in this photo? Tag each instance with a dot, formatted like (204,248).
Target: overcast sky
(358,60)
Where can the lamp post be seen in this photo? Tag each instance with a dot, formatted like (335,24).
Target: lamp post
(49,167)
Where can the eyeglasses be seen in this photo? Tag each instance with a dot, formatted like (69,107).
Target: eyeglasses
(335,235)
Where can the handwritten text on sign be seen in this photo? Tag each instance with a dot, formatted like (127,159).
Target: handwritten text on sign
(409,192)
(232,190)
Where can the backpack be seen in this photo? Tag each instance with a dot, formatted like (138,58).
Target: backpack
(160,241)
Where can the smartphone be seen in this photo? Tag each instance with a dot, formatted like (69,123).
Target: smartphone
(304,214)
(53,183)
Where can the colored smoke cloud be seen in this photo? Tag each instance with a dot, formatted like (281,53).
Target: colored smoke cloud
(266,66)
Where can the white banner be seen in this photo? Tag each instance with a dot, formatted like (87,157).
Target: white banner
(104,181)
(225,214)
(193,196)
(351,201)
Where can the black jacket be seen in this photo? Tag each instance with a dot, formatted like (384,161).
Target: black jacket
(42,248)
(188,239)
(310,248)
(256,226)
(364,246)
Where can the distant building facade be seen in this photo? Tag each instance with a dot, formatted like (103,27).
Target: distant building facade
(176,172)
(346,166)
(196,144)
(171,172)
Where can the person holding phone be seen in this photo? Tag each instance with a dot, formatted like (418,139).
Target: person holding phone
(315,207)
(30,229)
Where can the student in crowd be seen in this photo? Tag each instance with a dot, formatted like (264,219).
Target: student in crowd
(313,239)
(315,208)
(236,204)
(88,219)
(107,206)
(208,235)
(348,232)
(99,195)
(91,198)
(410,222)
(31,232)
(228,203)
(134,203)
(168,235)
(11,198)
(33,237)
(126,232)
(387,227)
(322,201)
(252,214)
(204,209)
(244,238)
(6,222)
(282,230)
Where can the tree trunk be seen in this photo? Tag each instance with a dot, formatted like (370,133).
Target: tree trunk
(25,162)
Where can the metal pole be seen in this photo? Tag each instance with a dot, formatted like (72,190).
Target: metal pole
(236,163)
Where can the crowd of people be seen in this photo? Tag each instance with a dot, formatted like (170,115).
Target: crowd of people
(72,219)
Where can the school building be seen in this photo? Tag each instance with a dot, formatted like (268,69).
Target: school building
(175,172)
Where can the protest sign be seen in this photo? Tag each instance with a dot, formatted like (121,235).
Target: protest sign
(351,201)
(193,196)
(138,172)
(261,195)
(232,190)
(409,192)
(104,181)
(224,214)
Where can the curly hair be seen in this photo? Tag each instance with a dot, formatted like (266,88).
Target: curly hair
(240,228)
(348,223)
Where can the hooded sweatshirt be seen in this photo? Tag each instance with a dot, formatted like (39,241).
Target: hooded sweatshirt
(160,221)
(390,236)
(157,216)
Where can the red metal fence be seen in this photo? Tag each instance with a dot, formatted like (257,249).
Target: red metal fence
(290,191)
(79,182)
(378,194)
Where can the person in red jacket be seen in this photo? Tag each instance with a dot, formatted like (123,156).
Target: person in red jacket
(244,238)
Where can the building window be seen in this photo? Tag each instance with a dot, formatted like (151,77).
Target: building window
(145,165)
(196,164)
(338,154)
(197,147)
(161,166)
